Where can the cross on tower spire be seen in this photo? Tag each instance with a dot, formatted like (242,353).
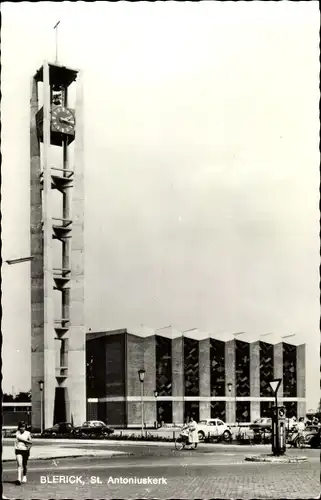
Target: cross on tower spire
(56,28)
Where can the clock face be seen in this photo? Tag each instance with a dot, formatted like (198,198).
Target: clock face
(63,120)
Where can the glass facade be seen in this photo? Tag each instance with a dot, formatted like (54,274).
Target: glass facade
(289,371)
(266,368)
(191,367)
(218,410)
(243,411)
(164,412)
(242,368)
(291,408)
(266,409)
(217,361)
(163,366)
(191,409)
(96,368)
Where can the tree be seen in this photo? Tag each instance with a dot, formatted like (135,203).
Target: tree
(23,397)
(7,398)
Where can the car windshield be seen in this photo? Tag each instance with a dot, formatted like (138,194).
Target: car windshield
(202,422)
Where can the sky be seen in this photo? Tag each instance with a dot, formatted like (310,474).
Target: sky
(202,167)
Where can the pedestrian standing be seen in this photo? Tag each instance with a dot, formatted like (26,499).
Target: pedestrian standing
(22,451)
(193,432)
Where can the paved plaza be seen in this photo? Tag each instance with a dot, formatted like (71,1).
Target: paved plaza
(162,472)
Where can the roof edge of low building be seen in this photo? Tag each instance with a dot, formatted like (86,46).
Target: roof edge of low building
(105,333)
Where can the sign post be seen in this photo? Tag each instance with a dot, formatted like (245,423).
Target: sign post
(278,421)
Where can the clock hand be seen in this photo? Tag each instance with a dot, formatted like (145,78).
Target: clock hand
(66,120)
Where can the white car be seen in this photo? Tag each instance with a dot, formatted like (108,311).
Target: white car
(213,427)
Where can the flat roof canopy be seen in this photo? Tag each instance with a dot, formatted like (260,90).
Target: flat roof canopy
(58,74)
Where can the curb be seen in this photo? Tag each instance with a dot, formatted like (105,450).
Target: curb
(90,455)
(275,460)
(124,442)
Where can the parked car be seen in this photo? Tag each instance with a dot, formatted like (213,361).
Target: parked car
(261,424)
(311,435)
(61,429)
(94,428)
(213,428)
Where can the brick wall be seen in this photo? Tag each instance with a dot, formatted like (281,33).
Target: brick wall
(150,378)
(134,362)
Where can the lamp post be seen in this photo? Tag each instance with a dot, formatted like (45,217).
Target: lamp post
(155,396)
(141,375)
(229,387)
(41,384)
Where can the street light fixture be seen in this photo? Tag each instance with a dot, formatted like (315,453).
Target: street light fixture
(41,385)
(17,261)
(141,375)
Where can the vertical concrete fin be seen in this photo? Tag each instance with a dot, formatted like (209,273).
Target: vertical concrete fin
(205,377)
(49,334)
(255,378)
(278,365)
(301,387)
(36,268)
(178,379)
(230,378)
(76,355)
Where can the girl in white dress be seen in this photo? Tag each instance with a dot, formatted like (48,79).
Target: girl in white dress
(22,451)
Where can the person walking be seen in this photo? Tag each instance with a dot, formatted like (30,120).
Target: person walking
(22,451)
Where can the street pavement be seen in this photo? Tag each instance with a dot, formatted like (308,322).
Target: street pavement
(210,471)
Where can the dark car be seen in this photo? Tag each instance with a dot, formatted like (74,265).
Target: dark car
(94,428)
(312,436)
(261,424)
(61,429)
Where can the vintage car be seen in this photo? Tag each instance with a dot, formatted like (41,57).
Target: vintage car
(213,428)
(60,429)
(94,428)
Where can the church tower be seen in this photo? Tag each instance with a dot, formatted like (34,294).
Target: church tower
(57,247)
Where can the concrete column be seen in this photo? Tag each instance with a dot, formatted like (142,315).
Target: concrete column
(301,379)
(36,270)
(150,379)
(178,379)
(205,377)
(278,365)
(77,332)
(49,332)
(255,379)
(230,378)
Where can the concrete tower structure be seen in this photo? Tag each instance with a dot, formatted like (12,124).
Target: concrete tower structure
(57,247)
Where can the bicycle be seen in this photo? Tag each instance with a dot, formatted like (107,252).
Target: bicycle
(182,442)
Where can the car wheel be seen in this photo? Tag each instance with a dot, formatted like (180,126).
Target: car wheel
(227,436)
(53,434)
(300,442)
(201,436)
